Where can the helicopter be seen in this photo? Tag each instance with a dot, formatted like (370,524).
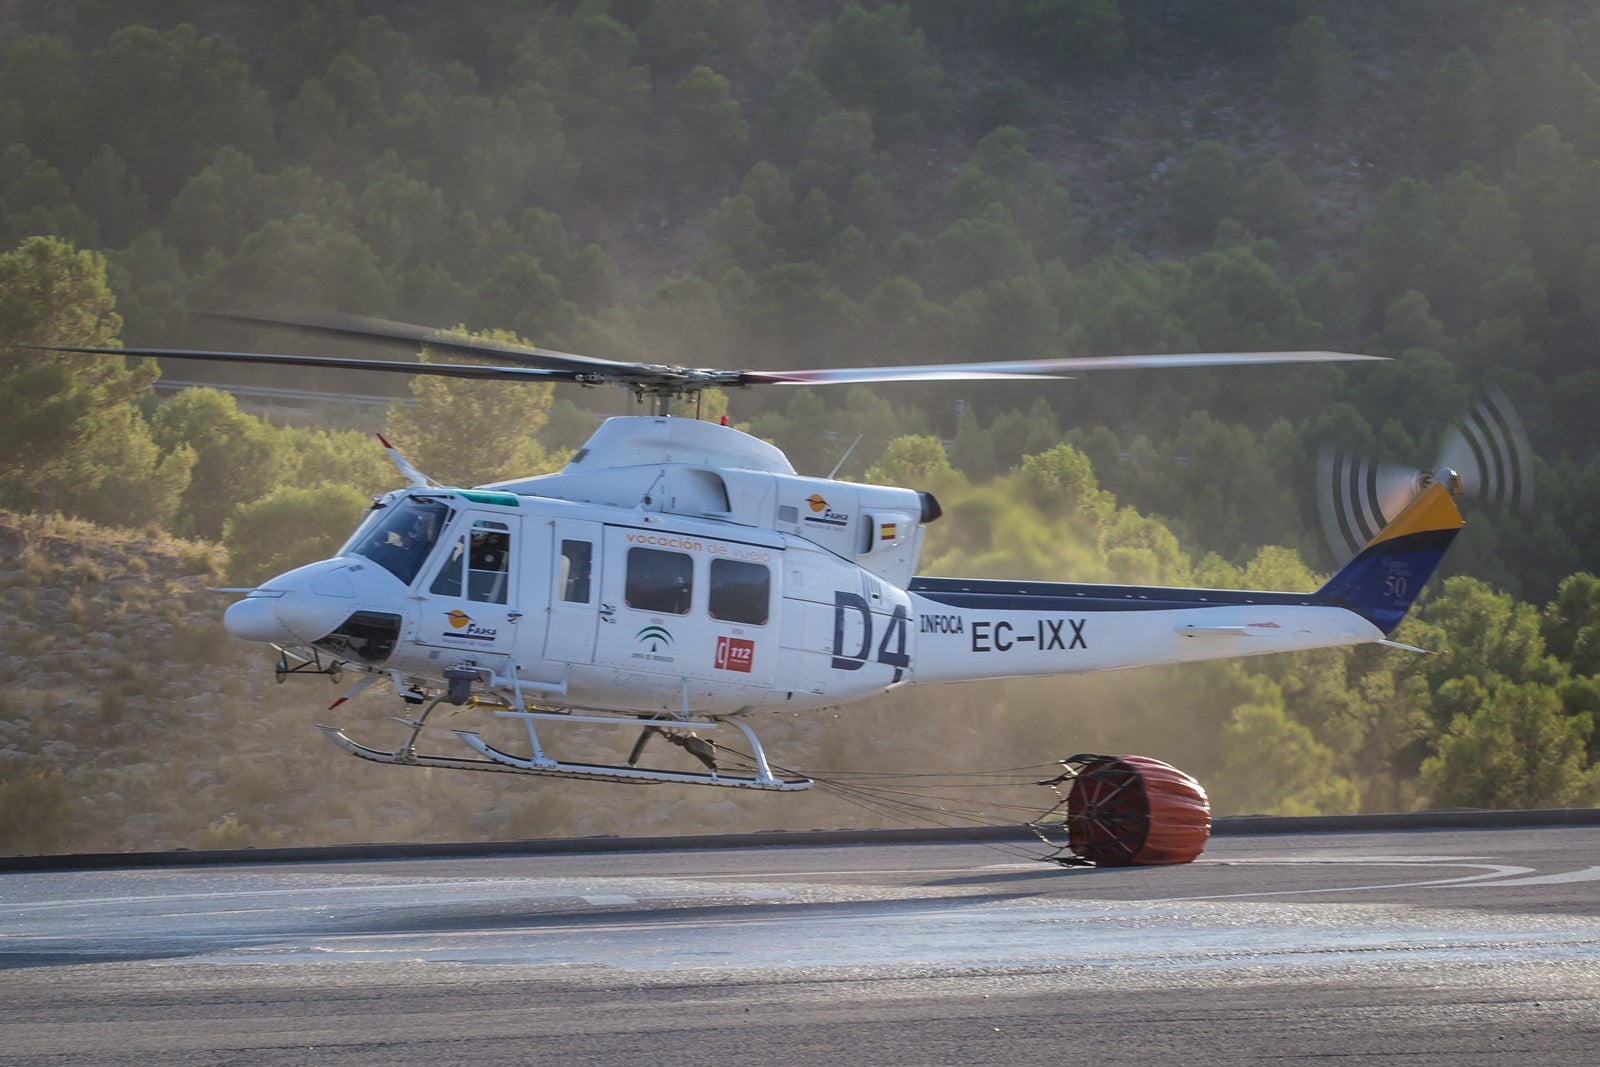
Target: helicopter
(680,576)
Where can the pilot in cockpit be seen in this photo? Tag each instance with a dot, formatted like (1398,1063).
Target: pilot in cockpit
(402,549)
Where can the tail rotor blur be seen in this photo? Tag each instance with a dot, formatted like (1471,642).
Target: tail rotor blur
(1486,448)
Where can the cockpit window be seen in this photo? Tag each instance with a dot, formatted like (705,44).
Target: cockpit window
(401,541)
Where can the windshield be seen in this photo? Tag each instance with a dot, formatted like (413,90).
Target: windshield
(402,539)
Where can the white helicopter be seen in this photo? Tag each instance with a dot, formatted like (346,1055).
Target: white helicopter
(678,576)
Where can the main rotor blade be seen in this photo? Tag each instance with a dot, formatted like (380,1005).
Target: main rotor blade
(401,332)
(442,370)
(1038,368)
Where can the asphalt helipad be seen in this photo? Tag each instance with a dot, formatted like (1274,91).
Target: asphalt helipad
(1425,946)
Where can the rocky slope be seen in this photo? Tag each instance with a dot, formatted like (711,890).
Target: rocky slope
(130,720)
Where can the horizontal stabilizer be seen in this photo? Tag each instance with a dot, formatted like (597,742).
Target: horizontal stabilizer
(1402,646)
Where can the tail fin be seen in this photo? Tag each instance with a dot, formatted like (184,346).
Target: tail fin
(1386,576)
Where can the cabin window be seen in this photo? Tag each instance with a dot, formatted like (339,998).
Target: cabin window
(488,562)
(659,581)
(479,562)
(448,581)
(577,564)
(740,591)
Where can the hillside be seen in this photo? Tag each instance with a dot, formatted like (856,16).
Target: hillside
(749,183)
(132,721)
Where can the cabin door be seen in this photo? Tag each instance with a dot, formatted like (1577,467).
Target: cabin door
(574,591)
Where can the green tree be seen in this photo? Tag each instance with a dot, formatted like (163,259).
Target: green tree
(238,458)
(1060,482)
(349,458)
(151,287)
(1489,635)
(1234,301)
(338,119)
(916,459)
(680,321)
(114,195)
(1529,80)
(230,199)
(1123,303)
(73,429)
(300,263)
(676,35)
(1002,180)
(1205,189)
(1571,623)
(899,324)
(797,103)
(1078,38)
(1549,189)
(471,433)
(488,155)
(1143,551)
(1274,766)
(195,95)
(876,61)
(1401,241)
(1480,243)
(586,62)
(971,252)
(1516,750)
(42,99)
(1457,126)
(705,133)
(35,199)
(1010,316)
(792,314)
(307,35)
(524,295)
(289,527)
(1277,204)
(737,237)
(403,219)
(1312,79)
(839,149)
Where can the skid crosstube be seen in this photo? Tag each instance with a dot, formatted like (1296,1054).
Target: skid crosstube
(504,763)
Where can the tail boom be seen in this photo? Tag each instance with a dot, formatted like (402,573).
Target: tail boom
(971,629)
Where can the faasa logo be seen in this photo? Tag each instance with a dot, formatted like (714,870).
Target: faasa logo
(822,514)
(735,654)
(467,630)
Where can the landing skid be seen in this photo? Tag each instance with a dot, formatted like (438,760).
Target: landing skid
(494,759)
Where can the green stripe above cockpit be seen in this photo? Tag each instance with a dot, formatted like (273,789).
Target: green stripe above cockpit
(479,496)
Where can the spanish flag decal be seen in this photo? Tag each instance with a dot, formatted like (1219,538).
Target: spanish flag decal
(887,531)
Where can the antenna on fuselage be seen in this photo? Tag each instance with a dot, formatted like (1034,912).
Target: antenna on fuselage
(846,456)
(415,478)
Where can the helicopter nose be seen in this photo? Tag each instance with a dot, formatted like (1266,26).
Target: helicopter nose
(254,619)
(297,608)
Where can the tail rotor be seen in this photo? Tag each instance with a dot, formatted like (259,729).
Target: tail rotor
(1486,448)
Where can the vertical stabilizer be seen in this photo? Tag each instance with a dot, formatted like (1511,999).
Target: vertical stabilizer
(1386,576)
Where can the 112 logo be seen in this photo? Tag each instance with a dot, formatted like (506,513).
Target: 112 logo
(735,654)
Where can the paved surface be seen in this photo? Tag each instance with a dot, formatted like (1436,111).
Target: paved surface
(1432,947)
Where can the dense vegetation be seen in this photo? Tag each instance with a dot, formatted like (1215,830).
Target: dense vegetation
(732,182)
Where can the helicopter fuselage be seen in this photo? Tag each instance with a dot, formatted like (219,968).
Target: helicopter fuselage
(710,579)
